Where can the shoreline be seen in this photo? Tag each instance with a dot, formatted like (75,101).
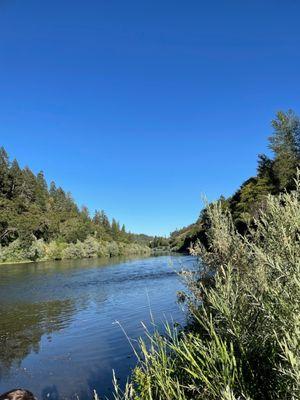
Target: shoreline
(73,259)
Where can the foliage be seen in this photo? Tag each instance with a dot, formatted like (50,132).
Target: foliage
(285,143)
(273,177)
(37,222)
(243,340)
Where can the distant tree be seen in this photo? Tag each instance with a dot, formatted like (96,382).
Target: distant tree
(265,167)
(4,172)
(29,186)
(105,221)
(15,180)
(52,190)
(85,213)
(115,229)
(41,190)
(285,143)
(97,218)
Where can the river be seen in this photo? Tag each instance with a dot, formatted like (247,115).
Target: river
(60,333)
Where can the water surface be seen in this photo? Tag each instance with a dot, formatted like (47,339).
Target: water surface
(58,331)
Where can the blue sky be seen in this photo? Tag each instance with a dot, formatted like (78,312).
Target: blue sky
(139,107)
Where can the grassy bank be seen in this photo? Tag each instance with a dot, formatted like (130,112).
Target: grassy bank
(243,339)
(58,250)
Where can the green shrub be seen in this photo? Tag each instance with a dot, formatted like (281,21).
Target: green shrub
(37,250)
(91,247)
(113,249)
(73,251)
(13,252)
(54,250)
(243,342)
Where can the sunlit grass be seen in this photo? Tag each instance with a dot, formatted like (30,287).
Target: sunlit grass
(244,340)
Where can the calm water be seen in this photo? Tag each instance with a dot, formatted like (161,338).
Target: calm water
(58,331)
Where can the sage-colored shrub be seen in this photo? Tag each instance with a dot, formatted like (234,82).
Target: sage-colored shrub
(74,251)
(37,250)
(13,252)
(91,247)
(54,250)
(113,249)
(243,340)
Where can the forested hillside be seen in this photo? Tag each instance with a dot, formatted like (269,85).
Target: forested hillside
(41,222)
(274,175)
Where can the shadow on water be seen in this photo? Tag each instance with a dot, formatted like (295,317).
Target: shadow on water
(22,327)
(58,336)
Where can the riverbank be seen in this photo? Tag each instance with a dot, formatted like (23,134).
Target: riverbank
(39,250)
(242,341)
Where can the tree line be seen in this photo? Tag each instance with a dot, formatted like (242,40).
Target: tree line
(34,215)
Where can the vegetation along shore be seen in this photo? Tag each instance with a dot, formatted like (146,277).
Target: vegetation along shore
(39,223)
(242,340)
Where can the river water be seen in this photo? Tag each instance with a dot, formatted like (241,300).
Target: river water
(60,333)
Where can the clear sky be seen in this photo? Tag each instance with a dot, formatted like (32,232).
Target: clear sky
(138,107)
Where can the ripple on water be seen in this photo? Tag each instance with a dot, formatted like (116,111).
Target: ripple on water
(58,329)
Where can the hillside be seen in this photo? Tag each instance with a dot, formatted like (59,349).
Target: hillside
(38,222)
(274,175)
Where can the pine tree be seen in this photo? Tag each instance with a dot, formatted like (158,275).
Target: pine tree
(52,190)
(105,221)
(4,171)
(97,218)
(115,229)
(29,186)
(15,180)
(41,190)
(85,213)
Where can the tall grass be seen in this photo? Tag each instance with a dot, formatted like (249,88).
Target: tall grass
(244,339)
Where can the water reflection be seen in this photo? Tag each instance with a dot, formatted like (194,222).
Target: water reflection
(23,325)
(58,336)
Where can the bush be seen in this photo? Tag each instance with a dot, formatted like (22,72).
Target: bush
(13,252)
(54,250)
(113,249)
(73,251)
(37,250)
(91,247)
(243,341)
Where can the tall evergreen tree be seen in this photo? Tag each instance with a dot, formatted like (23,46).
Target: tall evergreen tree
(285,143)
(41,190)
(15,180)
(115,229)
(29,186)
(52,190)
(105,221)
(97,218)
(4,171)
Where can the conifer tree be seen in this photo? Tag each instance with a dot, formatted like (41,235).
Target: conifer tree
(15,180)
(4,171)
(285,143)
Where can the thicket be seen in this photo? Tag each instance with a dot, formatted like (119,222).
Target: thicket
(243,341)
